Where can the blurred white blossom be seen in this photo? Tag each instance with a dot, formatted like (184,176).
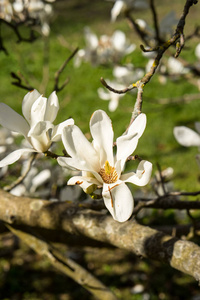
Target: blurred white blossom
(175,67)
(127,74)
(186,136)
(6,10)
(121,6)
(112,97)
(105,49)
(24,10)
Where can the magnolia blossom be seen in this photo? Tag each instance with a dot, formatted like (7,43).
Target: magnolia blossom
(175,67)
(105,49)
(36,9)
(122,5)
(36,126)
(186,136)
(112,97)
(127,74)
(101,167)
(6,11)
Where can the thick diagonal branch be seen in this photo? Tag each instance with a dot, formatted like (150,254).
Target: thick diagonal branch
(79,221)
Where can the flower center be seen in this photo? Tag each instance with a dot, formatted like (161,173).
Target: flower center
(108,173)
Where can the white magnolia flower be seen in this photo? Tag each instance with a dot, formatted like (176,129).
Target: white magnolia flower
(36,9)
(122,5)
(175,67)
(186,136)
(36,126)
(112,97)
(105,49)
(100,167)
(127,74)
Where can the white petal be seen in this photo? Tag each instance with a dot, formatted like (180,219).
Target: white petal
(102,133)
(12,120)
(127,143)
(14,156)
(119,40)
(57,131)
(104,95)
(39,136)
(119,201)
(117,8)
(186,136)
(27,103)
(51,108)
(88,184)
(142,175)
(78,147)
(113,104)
(38,110)
(91,38)
(80,165)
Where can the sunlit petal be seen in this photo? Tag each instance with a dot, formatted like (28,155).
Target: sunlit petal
(127,143)
(52,107)
(57,131)
(78,147)
(12,120)
(142,175)
(27,103)
(40,136)
(14,156)
(38,110)
(102,133)
(119,201)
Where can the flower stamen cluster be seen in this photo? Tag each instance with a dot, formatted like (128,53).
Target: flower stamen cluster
(108,173)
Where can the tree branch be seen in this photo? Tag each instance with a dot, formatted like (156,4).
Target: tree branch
(76,220)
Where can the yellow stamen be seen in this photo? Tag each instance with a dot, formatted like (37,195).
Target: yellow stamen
(108,173)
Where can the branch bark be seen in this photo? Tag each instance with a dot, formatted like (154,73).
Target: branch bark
(75,220)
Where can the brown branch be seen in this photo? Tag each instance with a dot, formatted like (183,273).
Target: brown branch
(73,219)
(65,265)
(61,69)
(155,20)
(114,90)
(167,201)
(19,79)
(23,176)
(143,35)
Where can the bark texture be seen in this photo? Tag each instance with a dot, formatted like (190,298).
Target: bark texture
(77,221)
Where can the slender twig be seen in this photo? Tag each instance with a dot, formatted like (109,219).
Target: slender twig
(160,51)
(114,90)
(142,34)
(19,79)
(155,20)
(22,177)
(15,27)
(61,69)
